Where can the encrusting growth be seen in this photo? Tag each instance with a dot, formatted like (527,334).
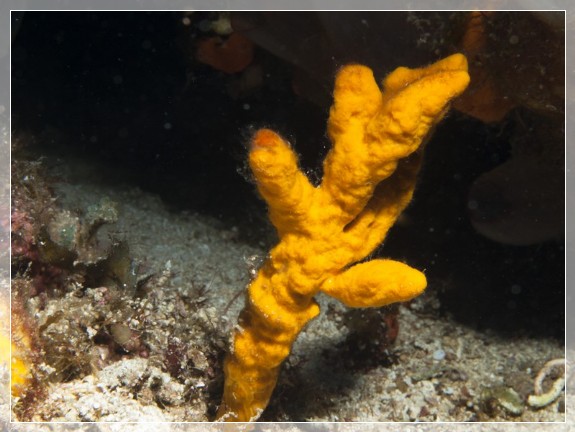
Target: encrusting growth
(326,231)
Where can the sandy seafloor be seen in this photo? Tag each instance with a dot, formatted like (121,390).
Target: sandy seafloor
(438,374)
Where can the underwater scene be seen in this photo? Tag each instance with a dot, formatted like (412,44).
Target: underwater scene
(285,217)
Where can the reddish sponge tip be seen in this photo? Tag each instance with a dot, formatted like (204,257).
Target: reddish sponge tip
(265,138)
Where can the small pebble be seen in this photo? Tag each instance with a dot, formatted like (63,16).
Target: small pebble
(438,355)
